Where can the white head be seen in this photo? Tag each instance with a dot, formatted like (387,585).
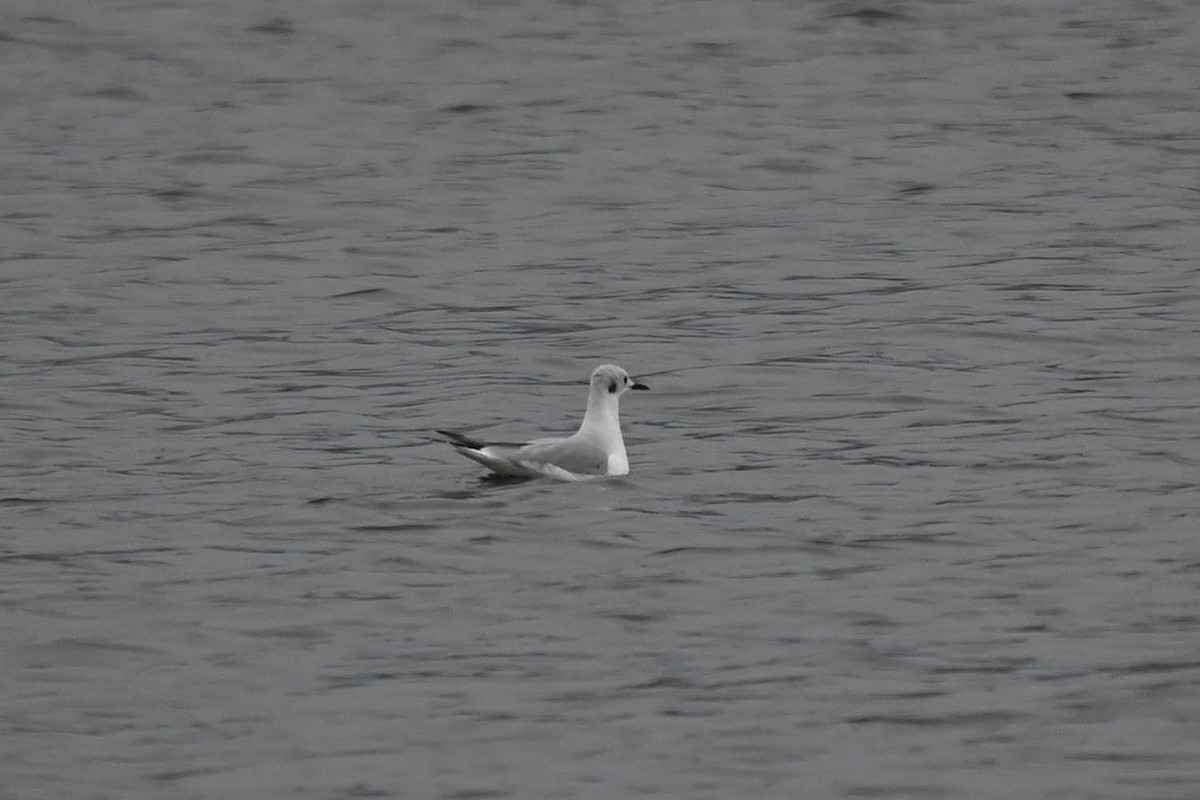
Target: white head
(609,379)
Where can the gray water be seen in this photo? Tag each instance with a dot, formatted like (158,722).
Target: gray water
(913,507)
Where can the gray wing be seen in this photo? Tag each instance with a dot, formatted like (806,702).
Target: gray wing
(462,440)
(581,458)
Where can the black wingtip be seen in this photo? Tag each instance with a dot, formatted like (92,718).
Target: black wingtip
(461,441)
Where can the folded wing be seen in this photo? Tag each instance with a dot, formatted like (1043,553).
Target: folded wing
(564,459)
(578,457)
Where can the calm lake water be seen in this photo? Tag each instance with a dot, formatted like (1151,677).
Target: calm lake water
(913,508)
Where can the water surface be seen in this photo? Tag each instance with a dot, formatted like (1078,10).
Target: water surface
(912,510)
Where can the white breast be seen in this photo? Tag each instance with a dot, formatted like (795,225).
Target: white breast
(618,463)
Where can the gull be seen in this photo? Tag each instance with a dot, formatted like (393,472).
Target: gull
(595,449)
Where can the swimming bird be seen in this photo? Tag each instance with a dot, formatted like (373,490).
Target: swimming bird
(595,449)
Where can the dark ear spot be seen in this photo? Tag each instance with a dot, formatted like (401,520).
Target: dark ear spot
(612,387)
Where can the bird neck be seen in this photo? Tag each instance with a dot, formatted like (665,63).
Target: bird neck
(601,416)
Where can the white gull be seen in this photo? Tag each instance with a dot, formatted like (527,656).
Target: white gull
(596,449)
